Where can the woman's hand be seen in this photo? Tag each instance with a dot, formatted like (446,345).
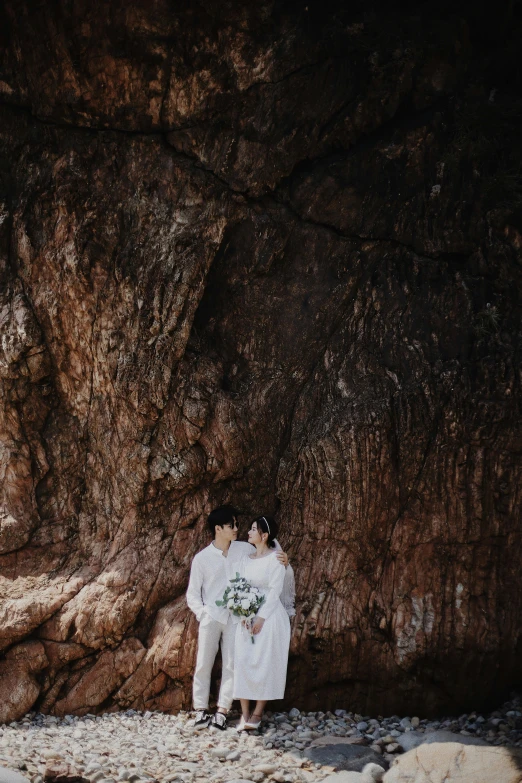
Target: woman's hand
(282,557)
(257,625)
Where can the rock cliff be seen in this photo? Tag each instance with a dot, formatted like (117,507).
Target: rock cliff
(268,253)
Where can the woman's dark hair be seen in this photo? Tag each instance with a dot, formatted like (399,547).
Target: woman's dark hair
(266,524)
(222,515)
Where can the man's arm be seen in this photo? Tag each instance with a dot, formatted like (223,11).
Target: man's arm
(194,597)
(282,557)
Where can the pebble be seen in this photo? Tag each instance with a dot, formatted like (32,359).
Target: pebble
(135,747)
(220,753)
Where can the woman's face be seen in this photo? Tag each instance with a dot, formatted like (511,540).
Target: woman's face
(255,536)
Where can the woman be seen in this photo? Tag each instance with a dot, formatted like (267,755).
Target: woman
(260,668)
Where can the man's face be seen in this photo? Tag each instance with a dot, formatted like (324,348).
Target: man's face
(230,530)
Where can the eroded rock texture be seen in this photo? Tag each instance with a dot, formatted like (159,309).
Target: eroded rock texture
(267,253)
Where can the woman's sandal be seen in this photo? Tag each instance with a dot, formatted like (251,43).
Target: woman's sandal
(251,725)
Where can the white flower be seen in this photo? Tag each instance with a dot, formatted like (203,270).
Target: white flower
(242,599)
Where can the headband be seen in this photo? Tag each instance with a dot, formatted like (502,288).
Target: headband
(266,523)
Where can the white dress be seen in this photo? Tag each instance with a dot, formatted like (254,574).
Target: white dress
(260,668)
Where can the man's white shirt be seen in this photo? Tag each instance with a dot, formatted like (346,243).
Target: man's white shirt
(209,579)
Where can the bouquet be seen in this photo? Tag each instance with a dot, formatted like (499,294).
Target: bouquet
(243,600)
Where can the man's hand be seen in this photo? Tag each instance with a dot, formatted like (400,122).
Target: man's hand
(257,625)
(282,557)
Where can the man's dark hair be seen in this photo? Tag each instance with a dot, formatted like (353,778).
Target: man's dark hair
(222,515)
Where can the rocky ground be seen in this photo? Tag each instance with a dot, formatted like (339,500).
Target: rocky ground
(135,747)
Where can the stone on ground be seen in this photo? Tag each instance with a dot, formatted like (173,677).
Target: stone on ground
(238,780)
(331,740)
(348,777)
(58,771)
(374,771)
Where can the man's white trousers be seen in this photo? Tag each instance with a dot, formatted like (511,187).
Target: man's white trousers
(211,634)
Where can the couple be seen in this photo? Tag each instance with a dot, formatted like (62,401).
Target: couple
(250,672)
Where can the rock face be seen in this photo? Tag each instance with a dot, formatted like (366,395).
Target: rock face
(271,254)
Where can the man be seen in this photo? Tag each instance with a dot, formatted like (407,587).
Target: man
(208,581)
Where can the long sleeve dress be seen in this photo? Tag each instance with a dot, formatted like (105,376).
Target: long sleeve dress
(260,668)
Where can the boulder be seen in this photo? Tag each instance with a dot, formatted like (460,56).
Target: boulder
(412,739)
(344,756)
(454,762)
(10,776)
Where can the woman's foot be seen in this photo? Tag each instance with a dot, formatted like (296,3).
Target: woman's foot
(253,722)
(241,725)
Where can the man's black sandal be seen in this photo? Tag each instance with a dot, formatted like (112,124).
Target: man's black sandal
(219,721)
(202,719)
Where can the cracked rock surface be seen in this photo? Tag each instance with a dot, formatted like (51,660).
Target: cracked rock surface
(266,254)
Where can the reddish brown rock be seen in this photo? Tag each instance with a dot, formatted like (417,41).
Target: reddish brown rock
(269,256)
(100,680)
(18,683)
